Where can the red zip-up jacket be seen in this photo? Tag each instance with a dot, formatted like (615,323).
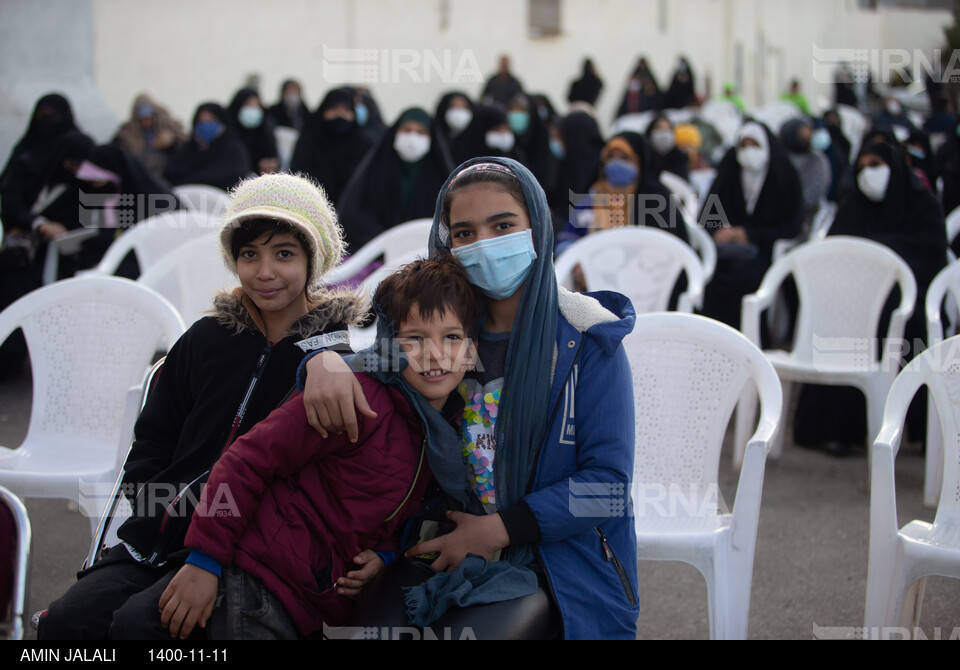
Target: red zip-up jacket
(293,508)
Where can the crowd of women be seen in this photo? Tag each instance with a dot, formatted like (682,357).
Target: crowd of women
(765,185)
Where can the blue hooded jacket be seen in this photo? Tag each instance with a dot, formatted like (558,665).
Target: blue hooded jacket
(581,457)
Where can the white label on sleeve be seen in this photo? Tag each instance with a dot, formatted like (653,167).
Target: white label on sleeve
(324,341)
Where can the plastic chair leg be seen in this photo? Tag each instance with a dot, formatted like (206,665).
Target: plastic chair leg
(745,422)
(912,602)
(933,467)
(776,449)
(884,588)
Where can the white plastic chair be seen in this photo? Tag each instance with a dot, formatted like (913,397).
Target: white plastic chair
(190,276)
(118,507)
(702,242)
(90,341)
(12,627)
(725,118)
(644,264)
(203,199)
(153,238)
(286,142)
(953,226)
(901,560)
(943,293)
(688,372)
(396,243)
(854,125)
(776,114)
(681,188)
(634,123)
(843,284)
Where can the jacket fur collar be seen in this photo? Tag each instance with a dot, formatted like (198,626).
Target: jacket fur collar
(236,311)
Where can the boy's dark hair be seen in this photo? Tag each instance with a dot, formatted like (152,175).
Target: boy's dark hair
(248,231)
(436,285)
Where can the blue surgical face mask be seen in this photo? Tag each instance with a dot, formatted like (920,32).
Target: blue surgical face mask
(250,117)
(620,172)
(363,114)
(498,266)
(821,139)
(518,121)
(207,131)
(557,149)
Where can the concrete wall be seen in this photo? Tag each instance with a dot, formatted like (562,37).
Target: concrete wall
(45,47)
(184,52)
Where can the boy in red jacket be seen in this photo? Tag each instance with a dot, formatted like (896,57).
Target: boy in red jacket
(285,510)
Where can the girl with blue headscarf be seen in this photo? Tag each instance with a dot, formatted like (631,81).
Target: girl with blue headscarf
(537,498)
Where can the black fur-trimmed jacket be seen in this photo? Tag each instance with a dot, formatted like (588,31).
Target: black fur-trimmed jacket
(219,379)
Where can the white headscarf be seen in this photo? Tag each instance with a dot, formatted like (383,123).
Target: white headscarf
(752,180)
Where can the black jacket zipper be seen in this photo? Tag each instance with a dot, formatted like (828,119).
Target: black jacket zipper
(238,419)
(610,557)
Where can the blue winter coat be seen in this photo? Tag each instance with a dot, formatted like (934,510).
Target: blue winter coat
(581,491)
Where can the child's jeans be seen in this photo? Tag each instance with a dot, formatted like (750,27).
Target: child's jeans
(246,610)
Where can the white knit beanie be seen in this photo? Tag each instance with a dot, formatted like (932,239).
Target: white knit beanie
(292,199)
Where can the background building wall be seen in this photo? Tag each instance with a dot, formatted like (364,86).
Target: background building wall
(184,52)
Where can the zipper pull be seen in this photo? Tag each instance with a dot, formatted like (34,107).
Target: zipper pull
(607,551)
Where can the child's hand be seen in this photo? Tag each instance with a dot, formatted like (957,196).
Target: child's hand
(477,535)
(332,396)
(351,584)
(188,600)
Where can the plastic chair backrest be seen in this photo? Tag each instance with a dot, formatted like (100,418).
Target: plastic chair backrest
(16,584)
(90,340)
(685,191)
(706,248)
(152,238)
(854,125)
(944,290)
(822,221)
(286,142)
(688,375)
(635,123)
(843,284)
(397,242)
(953,226)
(190,277)
(644,264)
(118,508)
(776,114)
(203,199)
(939,369)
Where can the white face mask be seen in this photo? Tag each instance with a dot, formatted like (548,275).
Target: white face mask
(411,147)
(752,159)
(663,141)
(503,141)
(458,118)
(873,182)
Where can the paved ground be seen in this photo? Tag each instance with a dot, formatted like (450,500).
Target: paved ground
(811,560)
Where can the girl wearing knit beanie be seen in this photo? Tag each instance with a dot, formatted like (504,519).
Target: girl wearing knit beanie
(222,377)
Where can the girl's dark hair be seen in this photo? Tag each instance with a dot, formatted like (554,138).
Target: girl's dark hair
(246,232)
(508,182)
(437,286)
